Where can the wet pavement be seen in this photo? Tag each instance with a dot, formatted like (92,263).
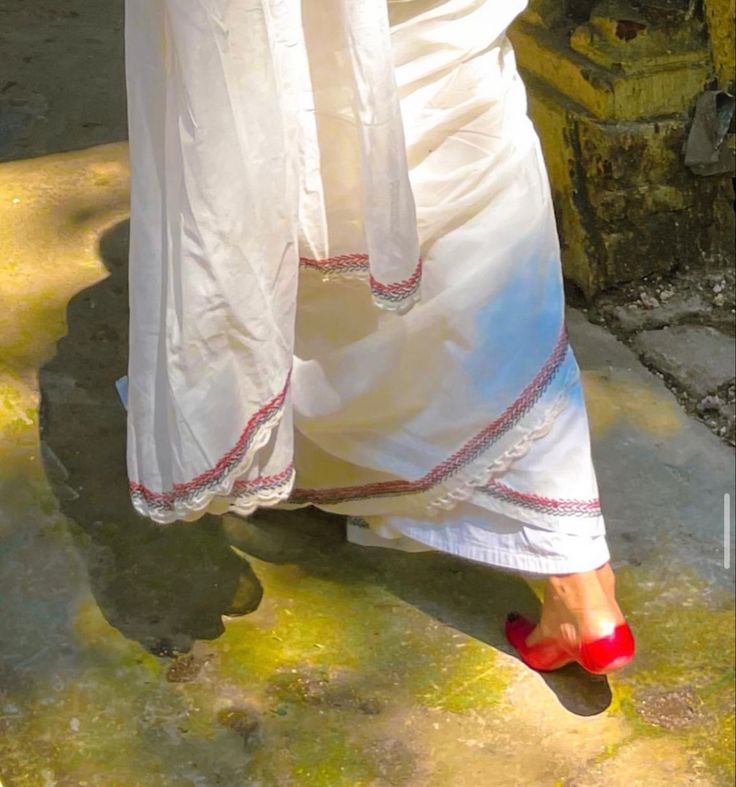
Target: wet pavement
(269,651)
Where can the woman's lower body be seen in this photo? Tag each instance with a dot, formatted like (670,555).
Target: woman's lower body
(474,396)
(460,425)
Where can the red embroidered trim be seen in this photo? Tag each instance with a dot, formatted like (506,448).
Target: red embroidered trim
(211,478)
(345,263)
(263,483)
(540,504)
(354,263)
(468,453)
(399,290)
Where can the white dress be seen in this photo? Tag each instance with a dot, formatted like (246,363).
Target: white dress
(345,279)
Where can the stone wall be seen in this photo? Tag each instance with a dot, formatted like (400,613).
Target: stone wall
(721,18)
(612,87)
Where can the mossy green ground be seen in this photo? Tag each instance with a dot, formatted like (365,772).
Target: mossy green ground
(357,667)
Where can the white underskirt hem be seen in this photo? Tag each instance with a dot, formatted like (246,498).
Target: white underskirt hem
(591,553)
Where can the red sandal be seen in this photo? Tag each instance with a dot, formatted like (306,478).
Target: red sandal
(601,656)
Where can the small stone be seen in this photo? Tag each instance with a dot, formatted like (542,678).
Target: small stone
(186,668)
(371,706)
(648,300)
(242,720)
(709,403)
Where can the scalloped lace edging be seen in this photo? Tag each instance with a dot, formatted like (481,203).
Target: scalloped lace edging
(189,506)
(245,505)
(399,307)
(480,472)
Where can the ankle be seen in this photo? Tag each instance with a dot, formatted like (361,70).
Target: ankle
(582,601)
(574,592)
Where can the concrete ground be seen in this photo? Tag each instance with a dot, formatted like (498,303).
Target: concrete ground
(270,652)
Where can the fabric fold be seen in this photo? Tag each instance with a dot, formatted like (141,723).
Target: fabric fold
(289,161)
(227,188)
(389,212)
(214,249)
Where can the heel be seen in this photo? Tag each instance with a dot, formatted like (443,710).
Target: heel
(600,656)
(608,654)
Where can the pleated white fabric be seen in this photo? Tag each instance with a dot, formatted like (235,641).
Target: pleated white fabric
(296,165)
(225,167)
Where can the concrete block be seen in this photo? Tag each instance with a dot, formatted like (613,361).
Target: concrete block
(699,358)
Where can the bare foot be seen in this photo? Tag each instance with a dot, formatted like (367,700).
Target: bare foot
(578,607)
(608,580)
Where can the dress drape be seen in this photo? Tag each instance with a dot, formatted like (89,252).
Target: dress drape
(345,279)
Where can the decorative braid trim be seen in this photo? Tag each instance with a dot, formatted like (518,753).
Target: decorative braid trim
(195,496)
(400,295)
(262,491)
(466,468)
(396,296)
(540,504)
(263,483)
(355,264)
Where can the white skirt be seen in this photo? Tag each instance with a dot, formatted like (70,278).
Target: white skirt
(459,425)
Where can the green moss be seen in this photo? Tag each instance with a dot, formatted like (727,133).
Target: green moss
(685,640)
(624,703)
(76,729)
(329,758)
(329,660)
(459,680)
(114,719)
(308,622)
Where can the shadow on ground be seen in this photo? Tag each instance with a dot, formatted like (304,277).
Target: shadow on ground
(161,586)
(166,587)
